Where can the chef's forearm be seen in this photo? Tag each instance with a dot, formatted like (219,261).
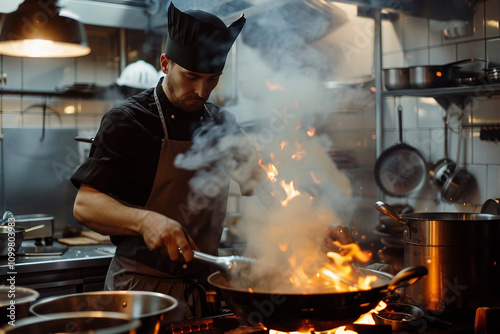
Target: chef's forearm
(102,213)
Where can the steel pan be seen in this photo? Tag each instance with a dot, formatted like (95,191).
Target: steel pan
(302,312)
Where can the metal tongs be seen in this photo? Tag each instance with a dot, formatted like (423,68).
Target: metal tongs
(223,263)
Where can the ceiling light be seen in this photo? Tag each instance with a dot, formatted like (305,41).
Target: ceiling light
(38,29)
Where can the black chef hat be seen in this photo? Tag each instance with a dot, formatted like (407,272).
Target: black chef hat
(199,41)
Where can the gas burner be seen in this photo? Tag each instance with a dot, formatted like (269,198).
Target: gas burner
(36,250)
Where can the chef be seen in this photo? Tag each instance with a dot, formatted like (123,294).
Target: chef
(129,187)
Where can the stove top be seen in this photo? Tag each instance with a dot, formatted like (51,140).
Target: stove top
(53,250)
(231,324)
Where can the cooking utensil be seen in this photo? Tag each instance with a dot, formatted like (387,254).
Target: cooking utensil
(22,296)
(442,168)
(492,74)
(15,234)
(431,76)
(396,78)
(428,76)
(389,210)
(151,308)
(223,263)
(400,169)
(461,251)
(243,269)
(458,186)
(401,317)
(78,322)
(321,311)
(491,206)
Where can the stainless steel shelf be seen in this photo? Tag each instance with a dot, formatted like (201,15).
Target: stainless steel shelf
(447,95)
(482,88)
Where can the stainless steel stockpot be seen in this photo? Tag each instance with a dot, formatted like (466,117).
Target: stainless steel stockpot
(461,251)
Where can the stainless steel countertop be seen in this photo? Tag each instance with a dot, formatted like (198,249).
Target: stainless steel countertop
(74,257)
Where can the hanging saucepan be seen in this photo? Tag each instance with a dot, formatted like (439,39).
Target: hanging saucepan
(290,312)
(459,185)
(441,169)
(431,76)
(400,169)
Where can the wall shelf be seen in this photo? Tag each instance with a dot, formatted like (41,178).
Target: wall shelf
(447,95)
(89,92)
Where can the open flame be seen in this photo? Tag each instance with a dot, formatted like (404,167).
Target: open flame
(364,319)
(331,271)
(311,131)
(271,171)
(290,191)
(274,86)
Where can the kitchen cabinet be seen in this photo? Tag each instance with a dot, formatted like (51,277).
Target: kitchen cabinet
(79,269)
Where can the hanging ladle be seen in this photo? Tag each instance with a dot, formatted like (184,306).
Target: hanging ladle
(391,212)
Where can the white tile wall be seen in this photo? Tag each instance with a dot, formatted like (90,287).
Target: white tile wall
(442,54)
(491,18)
(415,33)
(423,118)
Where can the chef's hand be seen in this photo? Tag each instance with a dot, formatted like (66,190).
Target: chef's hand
(165,236)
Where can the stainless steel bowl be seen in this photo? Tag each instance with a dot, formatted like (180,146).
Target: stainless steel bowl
(76,322)
(401,317)
(21,296)
(152,308)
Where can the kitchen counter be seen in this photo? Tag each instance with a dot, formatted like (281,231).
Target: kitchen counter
(74,257)
(78,269)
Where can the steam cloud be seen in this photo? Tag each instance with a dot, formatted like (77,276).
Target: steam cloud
(279,237)
(274,233)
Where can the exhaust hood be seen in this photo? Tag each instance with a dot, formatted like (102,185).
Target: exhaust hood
(146,14)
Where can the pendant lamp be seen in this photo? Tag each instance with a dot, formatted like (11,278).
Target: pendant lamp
(39,29)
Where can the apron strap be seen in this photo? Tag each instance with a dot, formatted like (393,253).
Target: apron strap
(160,111)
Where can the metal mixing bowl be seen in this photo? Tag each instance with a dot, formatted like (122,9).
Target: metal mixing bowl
(152,308)
(76,322)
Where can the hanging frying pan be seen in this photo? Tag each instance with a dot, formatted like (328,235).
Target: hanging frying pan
(400,169)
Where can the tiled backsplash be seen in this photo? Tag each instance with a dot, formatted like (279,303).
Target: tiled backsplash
(411,41)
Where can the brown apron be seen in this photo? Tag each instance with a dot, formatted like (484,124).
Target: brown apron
(135,267)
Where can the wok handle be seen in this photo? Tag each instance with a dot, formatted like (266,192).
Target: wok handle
(406,277)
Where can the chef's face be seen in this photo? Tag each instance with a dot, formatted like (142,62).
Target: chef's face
(187,90)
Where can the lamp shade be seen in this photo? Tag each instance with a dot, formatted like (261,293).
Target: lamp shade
(36,29)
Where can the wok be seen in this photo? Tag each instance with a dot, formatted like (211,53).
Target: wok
(303,312)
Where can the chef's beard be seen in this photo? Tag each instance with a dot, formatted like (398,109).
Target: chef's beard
(181,103)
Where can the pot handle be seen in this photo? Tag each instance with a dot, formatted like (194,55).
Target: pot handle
(406,277)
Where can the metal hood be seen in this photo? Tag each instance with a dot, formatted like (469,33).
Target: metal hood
(441,10)
(145,14)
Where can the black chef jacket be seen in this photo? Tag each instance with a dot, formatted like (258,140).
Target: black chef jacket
(126,149)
